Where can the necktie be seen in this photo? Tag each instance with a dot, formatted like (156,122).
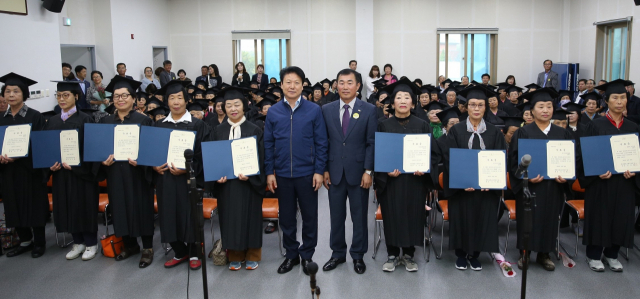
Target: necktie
(345,120)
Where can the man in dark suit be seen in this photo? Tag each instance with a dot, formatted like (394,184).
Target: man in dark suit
(351,125)
(261,78)
(354,65)
(548,78)
(167,75)
(81,76)
(121,69)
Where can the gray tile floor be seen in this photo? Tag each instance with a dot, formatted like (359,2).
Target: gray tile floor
(52,276)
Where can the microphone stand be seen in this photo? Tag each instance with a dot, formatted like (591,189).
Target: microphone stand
(197,218)
(527,223)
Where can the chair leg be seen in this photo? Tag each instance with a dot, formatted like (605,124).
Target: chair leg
(106,220)
(577,239)
(377,237)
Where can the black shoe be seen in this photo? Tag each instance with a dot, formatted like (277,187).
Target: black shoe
(287,265)
(359,266)
(305,263)
(271,227)
(333,263)
(20,250)
(37,252)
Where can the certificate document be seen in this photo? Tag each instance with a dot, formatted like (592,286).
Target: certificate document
(16,141)
(244,154)
(178,142)
(492,170)
(625,151)
(125,142)
(69,147)
(416,153)
(561,159)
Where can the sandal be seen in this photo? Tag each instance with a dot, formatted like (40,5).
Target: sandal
(127,252)
(147,258)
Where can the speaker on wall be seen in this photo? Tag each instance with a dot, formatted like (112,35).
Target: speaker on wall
(53,5)
(637,2)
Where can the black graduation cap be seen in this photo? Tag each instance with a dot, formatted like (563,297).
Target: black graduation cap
(122,82)
(155,100)
(425,89)
(158,111)
(615,86)
(476,92)
(198,83)
(67,86)
(198,106)
(254,81)
(447,114)
(447,81)
(502,86)
(307,89)
(47,115)
(110,109)
(266,101)
(231,93)
(559,114)
(271,97)
(417,80)
(532,85)
(173,86)
(403,85)
(15,79)
(191,86)
(525,106)
(317,86)
(475,82)
(276,89)
(198,92)
(546,94)
(512,88)
(258,92)
(592,96)
(564,92)
(512,121)
(571,106)
(435,105)
(307,80)
(210,91)
(326,81)
(461,99)
(455,83)
(224,85)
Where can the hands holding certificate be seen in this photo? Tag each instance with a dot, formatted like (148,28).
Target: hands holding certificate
(110,160)
(539,179)
(396,173)
(59,165)
(627,175)
(4,159)
(223,180)
(173,169)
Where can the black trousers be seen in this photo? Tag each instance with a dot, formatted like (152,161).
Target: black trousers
(358,206)
(395,251)
(182,249)
(147,242)
(294,192)
(88,239)
(595,252)
(26,235)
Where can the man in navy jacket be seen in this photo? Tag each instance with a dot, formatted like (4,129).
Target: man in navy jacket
(295,146)
(351,126)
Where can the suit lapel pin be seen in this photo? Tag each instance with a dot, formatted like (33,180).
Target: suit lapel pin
(356,115)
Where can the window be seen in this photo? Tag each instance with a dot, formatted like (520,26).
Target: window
(468,52)
(269,48)
(613,49)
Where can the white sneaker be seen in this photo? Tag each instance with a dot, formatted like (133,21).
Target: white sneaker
(90,253)
(595,265)
(76,251)
(391,264)
(409,264)
(614,264)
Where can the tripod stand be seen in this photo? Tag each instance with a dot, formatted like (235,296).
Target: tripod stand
(527,223)
(197,218)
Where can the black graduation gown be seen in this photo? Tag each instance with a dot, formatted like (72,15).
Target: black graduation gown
(402,199)
(75,192)
(240,202)
(130,188)
(510,108)
(473,224)
(495,119)
(24,189)
(584,119)
(212,120)
(609,205)
(549,193)
(174,207)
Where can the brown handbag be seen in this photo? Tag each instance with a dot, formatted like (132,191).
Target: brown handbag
(112,246)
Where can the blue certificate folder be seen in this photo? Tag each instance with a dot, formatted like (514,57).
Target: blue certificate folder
(154,145)
(98,141)
(537,148)
(463,169)
(388,152)
(217,160)
(597,158)
(45,148)
(2,131)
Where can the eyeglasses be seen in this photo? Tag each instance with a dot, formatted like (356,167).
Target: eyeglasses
(65,96)
(474,106)
(124,96)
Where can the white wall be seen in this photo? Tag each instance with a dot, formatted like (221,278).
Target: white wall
(583,32)
(147,20)
(32,49)
(82,29)
(323,33)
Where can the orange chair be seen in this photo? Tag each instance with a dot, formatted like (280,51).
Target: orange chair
(103,204)
(576,205)
(377,235)
(64,235)
(209,207)
(271,212)
(511,212)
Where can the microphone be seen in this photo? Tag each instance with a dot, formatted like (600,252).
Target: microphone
(524,164)
(188,159)
(313,269)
